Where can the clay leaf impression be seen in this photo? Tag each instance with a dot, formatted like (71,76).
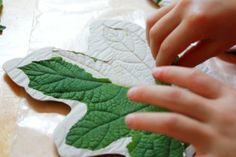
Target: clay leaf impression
(95,84)
(107,105)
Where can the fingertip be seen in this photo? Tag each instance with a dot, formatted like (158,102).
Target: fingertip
(156,72)
(132,93)
(129,120)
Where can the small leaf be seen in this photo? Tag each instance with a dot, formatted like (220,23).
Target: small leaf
(157,1)
(107,105)
(2,28)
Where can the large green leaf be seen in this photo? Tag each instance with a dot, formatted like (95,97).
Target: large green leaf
(107,105)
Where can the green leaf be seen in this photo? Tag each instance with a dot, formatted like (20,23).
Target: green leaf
(107,105)
(1,27)
(157,1)
(152,145)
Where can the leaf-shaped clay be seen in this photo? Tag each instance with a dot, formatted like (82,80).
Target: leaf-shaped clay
(107,105)
(125,44)
(64,87)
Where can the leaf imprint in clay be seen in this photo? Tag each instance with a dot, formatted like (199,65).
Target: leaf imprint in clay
(107,105)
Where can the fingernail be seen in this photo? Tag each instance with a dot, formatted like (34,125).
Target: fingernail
(132,93)
(129,119)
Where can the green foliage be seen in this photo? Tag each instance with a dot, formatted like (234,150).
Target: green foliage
(1,27)
(107,105)
(157,1)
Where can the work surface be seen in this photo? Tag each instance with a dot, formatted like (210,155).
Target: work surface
(26,125)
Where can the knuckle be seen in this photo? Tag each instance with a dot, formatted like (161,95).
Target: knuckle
(197,18)
(184,3)
(143,93)
(165,47)
(227,120)
(201,78)
(149,22)
(154,37)
(152,33)
(171,123)
(195,75)
(220,114)
(175,93)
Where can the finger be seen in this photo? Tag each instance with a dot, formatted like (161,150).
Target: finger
(155,18)
(176,42)
(171,124)
(173,98)
(194,80)
(207,155)
(162,29)
(204,50)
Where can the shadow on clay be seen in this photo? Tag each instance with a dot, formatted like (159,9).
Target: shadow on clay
(38,106)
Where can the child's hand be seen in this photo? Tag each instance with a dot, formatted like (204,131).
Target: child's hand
(204,111)
(173,28)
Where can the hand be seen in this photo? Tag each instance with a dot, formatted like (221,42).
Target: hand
(204,111)
(173,28)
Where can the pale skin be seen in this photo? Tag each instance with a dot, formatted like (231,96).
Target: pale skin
(204,112)
(203,109)
(211,23)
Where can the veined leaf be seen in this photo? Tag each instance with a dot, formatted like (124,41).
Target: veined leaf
(107,105)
